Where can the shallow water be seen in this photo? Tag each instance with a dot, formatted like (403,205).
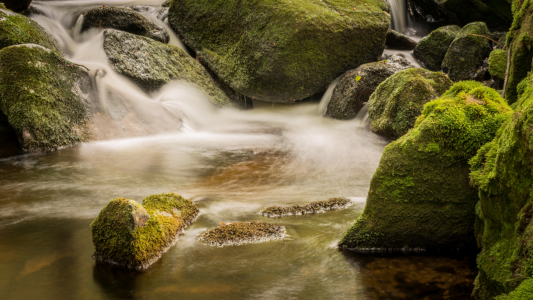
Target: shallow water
(231,164)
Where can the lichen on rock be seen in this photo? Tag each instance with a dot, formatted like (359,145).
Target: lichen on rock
(134,236)
(281,50)
(420,196)
(431,50)
(399,100)
(311,208)
(233,234)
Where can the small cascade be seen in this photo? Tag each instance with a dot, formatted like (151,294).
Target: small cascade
(399,16)
(324,102)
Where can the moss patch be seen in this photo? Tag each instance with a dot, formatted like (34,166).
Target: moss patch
(242,233)
(311,208)
(432,49)
(420,196)
(498,63)
(123,236)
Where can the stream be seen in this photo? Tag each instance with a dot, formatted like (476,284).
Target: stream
(232,164)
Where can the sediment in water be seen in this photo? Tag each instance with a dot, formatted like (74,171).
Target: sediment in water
(311,208)
(233,234)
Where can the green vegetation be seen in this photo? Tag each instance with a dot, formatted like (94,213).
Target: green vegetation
(498,63)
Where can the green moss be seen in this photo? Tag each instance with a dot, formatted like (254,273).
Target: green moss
(420,196)
(399,100)
(123,236)
(432,49)
(498,63)
(16,29)
(281,50)
(233,234)
(43,96)
(523,292)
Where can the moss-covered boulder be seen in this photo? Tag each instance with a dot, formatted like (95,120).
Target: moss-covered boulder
(311,208)
(356,86)
(523,292)
(495,13)
(281,50)
(520,42)
(16,29)
(431,50)
(396,40)
(151,64)
(134,236)
(123,19)
(44,96)
(234,234)
(17,5)
(498,63)
(502,172)
(420,196)
(399,100)
(466,53)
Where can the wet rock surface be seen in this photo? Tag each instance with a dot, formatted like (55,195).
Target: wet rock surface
(396,40)
(123,19)
(17,5)
(495,13)
(431,50)
(311,208)
(233,234)
(429,11)
(355,87)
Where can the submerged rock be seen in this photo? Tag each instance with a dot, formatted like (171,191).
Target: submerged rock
(498,63)
(123,19)
(420,196)
(17,5)
(495,13)
(396,40)
(399,100)
(46,102)
(151,64)
(281,51)
(311,208)
(431,50)
(233,234)
(356,86)
(134,236)
(466,53)
(16,29)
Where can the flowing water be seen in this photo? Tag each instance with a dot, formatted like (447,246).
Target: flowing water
(231,164)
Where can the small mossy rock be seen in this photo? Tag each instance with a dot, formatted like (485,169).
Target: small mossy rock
(431,50)
(16,29)
(420,196)
(123,19)
(234,234)
(134,236)
(151,64)
(311,208)
(17,5)
(495,13)
(502,172)
(498,63)
(281,50)
(467,52)
(355,87)
(429,11)
(396,40)
(523,292)
(44,97)
(399,100)
(520,41)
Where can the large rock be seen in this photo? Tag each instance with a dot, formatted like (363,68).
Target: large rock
(17,5)
(431,50)
(495,13)
(399,100)
(151,64)
(123,19)
(466,53)
(502,172)
(17,29)
(396,40)
(429,11)
(498,63)
(420,196)
(133,236)
(356,86)
(281,50)
(46,102)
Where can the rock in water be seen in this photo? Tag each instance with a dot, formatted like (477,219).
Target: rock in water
(233,234)
(356,86)
(17,5)
(281,50)
(17,29)
(420,196)
(504,231)
(311,208)
(431,50)
(46,102)
(467,52)
(133,236)
(399,100)
(498,63)
(396,40)
(151,64)
(123,19)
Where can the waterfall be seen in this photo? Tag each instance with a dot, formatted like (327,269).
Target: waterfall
(398,15)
